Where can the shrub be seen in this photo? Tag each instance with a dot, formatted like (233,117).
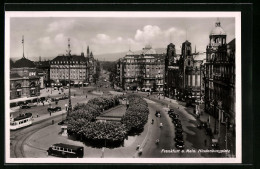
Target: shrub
(81,121)
(136,115)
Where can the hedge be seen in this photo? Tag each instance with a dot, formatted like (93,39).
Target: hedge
(136,115)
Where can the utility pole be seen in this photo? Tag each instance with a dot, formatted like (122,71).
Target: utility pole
(23,45)
(69,58)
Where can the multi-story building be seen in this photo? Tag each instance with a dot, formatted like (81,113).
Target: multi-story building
(172,72)
(91,66)
(59,69)
(43,70)
(142,71)
(183,74)
(24,81)
(220,76)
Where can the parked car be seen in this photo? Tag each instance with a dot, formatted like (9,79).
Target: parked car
(20,103)
(177,125)
(50,109)
(13,105)
(179,136)
(174,116)
(179,130)
(179,145)
(171,110)
(178,140)
(209,131)
(175,121)
(214,143)
(25,106)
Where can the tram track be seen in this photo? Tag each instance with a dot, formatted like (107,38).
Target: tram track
(20,136)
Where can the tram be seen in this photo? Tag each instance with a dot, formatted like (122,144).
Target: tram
(20,121)
(66,150)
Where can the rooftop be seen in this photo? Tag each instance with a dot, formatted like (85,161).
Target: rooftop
(23,62)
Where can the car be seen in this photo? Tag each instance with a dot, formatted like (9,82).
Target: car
(204,124)
(208,131)
(174,116)
(50,109)
(25,106)
(157,113)
(214,143)
(177,125)
(171,110)
(176,121)
(178,140)
(179,130)
(179,145)
(178,134)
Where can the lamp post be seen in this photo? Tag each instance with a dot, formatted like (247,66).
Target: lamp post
(69,58)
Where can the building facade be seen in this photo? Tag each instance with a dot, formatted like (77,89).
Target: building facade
(59,69)
(91,66)
(172,72)
(43,71)
(142,71)
(183,73)
(220,76)
(24,81)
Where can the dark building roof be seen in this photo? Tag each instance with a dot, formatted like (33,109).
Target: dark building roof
(231,44)
(11,63)
(23,62)
(77,58)
(14,75)
(42,64)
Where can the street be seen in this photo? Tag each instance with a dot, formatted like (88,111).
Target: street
(33,141)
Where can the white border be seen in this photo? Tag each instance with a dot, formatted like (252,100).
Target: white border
(236,15)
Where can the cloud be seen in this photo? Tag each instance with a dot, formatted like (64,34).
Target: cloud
(60,25)
(148,33)
(103,39)
(45,40)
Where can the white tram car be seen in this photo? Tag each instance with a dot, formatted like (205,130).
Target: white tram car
(20,121)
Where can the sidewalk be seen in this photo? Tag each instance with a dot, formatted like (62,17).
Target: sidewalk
(39,142)
(47,116)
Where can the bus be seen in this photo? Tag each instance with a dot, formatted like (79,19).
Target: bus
(21,121)
(66,150)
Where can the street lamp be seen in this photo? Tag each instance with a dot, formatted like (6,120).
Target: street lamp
(69,58)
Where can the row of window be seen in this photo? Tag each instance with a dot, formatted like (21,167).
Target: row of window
(67,62)
(62,149)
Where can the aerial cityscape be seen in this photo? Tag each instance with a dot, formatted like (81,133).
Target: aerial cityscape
(138,88)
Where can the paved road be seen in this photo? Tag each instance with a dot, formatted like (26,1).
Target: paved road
(19,137)
(164,134)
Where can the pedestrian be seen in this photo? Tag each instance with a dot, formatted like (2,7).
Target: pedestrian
(205,142)
(161,125)
(50,113)
(43,103)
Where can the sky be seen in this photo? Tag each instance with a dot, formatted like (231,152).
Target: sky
(48,36)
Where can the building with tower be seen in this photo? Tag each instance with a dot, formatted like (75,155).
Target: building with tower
(183,73)
(24,81)
(220,76)
(172,72)
(91,66)
(191,74)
